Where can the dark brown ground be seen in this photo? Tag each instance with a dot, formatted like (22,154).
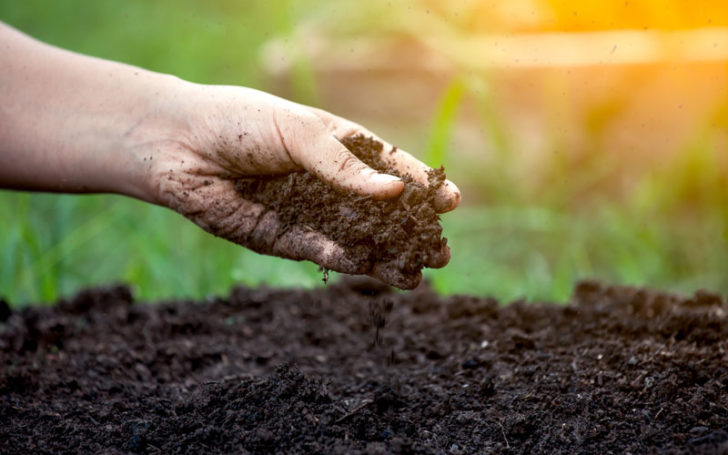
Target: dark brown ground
(404,233)
(619,370)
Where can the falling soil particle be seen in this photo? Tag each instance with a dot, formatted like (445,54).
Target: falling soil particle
(379,311)
(618,370)
(404,233)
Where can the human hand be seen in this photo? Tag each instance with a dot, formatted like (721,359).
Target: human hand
(73,123)
(232,132)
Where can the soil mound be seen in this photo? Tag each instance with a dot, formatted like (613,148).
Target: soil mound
(618,370)
(403,232)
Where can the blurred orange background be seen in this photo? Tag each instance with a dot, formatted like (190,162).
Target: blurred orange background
(635,81)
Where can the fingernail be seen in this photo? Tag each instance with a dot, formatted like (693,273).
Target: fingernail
(383,179)
(448,197)
(451,185)
(455,190)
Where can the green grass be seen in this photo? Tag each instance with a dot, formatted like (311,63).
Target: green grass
(437,150)
(529,241)
(55,244)
(539,253)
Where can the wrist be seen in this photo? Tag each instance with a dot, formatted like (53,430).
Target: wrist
(74,123)
(155,136)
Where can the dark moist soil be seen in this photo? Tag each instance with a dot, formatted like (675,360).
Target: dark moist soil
(404,232)
(618,370)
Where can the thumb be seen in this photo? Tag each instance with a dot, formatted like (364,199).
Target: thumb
(330,161)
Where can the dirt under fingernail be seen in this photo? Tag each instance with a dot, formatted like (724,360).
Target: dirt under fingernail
(404,231)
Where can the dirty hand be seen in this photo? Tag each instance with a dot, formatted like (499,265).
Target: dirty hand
(73,123)
(232,132)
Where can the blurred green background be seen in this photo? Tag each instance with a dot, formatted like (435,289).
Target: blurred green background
(521,232)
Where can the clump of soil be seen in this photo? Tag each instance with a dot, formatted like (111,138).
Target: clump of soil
(404,232)
(618,370)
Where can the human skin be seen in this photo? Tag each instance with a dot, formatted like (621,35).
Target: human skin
(78,124)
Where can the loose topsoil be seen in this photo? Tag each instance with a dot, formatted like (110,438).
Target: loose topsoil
(618,370)
(403,233)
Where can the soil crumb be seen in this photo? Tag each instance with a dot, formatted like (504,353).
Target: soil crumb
(617,370)
(404,232)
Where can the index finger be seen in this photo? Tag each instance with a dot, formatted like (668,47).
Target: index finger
(448,195)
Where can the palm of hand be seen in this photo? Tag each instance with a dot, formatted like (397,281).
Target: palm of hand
(237,132)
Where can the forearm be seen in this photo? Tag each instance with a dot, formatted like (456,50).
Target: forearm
(72,123)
